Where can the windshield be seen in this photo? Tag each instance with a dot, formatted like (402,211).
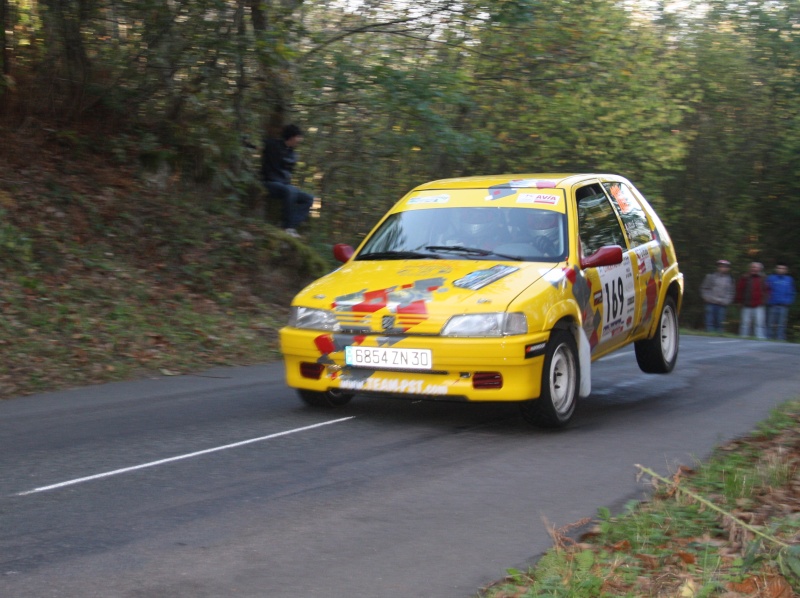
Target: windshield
(491,233)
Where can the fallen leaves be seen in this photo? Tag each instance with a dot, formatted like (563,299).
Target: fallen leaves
(661,549)
(774,586)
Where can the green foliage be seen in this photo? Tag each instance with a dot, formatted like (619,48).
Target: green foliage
(699,108)
(789,563)
(15,245)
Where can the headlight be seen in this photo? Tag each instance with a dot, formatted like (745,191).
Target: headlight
(313,319)
(491,324)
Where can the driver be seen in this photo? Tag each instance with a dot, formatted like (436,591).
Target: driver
(544,231)
(483,228)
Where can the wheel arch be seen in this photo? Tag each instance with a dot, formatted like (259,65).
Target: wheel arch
(672,287)
(675,290)
(571,324)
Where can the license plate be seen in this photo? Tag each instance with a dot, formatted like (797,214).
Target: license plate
(388,358)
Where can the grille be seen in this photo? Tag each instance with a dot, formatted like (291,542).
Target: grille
(396,324)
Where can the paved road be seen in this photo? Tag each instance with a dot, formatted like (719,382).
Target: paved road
(224,485)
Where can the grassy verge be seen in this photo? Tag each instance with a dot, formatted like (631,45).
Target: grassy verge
(729,528)
(74,333)
(102,313)
(104,277)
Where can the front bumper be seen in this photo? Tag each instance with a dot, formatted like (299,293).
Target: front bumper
(471,369)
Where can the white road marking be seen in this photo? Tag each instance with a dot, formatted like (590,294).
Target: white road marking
(179,457)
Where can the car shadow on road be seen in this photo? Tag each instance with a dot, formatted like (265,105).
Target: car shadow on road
(448,416)
(607,404)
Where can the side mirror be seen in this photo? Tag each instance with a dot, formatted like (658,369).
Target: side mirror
(343,252)
(610,255)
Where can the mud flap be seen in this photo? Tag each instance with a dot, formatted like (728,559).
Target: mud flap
(585,359)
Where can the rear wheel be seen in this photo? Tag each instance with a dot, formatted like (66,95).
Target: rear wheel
(327,400)
(560,384)
(659,354)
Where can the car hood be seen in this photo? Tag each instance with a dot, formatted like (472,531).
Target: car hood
(418,297)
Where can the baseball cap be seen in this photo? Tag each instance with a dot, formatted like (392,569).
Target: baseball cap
(723,263)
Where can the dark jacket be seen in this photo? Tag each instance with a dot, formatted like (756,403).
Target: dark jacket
(752,290)
(277,162)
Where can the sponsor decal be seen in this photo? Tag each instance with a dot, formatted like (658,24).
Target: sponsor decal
(402,299)
(532,183)
(614,328)
(644,260)
(429,199)
(534,350)
(619,297)
(407,302)
(540,198)
(481,278)
(396,385)
(424,271)
(624,198)
(499,192)
(510,188)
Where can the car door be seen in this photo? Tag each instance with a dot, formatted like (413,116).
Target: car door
(612,289)
(645,249)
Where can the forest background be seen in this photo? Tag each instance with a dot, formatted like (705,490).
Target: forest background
(131,132)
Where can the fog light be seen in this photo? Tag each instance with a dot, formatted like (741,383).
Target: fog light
(487,380)
(311,370)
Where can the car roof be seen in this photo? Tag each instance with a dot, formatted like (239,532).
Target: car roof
(539,180)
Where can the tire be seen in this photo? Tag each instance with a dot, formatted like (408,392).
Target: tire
(326,400)
(659,354)
(561,382)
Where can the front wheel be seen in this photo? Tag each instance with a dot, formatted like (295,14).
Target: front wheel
(327,400)
(659,354)
(560,384)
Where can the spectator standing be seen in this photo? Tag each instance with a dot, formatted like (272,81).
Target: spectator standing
(752,294)
(781,296)
(717,291)
(277,166)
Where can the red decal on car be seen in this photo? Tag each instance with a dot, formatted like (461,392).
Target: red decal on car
(325,344)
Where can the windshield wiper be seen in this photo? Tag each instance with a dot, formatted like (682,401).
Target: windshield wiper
(473,251)
(397,255)
(458,249)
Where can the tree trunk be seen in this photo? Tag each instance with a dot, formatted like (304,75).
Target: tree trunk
(3,48)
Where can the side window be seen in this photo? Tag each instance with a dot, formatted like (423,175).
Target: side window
(630,210)
(597,222)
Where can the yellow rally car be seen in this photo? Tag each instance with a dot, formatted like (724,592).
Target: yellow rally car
(493,288)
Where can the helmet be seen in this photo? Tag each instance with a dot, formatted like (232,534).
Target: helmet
(542,220)
(480,222)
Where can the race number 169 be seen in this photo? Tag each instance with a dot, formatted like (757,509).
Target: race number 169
(614,300)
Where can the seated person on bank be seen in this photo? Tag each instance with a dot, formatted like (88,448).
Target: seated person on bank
(277,165)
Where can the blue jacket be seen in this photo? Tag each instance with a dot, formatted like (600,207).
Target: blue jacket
(781,289)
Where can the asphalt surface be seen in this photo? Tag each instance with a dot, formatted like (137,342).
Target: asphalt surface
(224,484)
